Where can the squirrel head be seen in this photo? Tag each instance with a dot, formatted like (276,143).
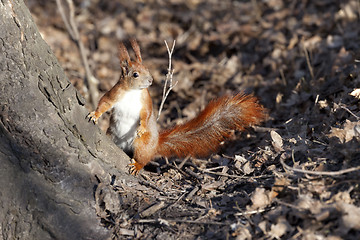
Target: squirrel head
(134,74)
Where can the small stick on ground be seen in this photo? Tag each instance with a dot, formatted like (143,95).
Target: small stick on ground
(151,210)
(149,184)
(243,213)
(168,86)
(71,26)
(323,173)
(232,176)
(184,161)
(167,221)
(341,105)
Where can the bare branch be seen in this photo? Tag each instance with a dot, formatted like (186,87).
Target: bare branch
(168,85)
(71,26)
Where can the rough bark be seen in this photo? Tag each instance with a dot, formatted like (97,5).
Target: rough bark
(49,153)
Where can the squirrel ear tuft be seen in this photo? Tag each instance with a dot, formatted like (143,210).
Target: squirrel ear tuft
(123,54)
(136,48)
(124,70)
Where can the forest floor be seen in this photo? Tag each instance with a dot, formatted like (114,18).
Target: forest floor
(297,175)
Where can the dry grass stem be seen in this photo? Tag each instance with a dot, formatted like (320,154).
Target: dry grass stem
(168,85)
(309,64)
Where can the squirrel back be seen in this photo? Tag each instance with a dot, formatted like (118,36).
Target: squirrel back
(204,134)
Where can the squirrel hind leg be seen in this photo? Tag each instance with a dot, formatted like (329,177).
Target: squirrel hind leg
(141,158)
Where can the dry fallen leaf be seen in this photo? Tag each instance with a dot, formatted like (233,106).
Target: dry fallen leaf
(279,185)
(356,93)
(323,104)
(350,218)
(347,133)
(343,197)
(280,228)
(277,141)
(243,164)
(260,198)
(242,233)
(334,41)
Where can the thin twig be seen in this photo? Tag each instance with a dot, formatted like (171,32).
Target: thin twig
(174,166)
(242,213)
(184,161)
(167,221)
(168,85)
(283,76)
(232,176)
(178,200)
(149,184)
(289,204)
(309,64)
(193,174)
(71,26)
(324,173)
(348,110)
(218,167)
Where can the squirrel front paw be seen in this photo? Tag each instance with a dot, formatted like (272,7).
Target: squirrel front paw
(140,131)
(92,117)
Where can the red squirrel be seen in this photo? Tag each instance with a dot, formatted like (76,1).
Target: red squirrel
(133,125)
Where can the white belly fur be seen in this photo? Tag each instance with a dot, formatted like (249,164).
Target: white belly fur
(126,116)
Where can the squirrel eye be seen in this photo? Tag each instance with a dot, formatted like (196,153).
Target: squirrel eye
(135,75)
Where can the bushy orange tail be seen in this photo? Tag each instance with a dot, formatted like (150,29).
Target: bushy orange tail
(203,135)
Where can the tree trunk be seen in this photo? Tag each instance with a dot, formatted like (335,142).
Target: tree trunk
(49,153)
